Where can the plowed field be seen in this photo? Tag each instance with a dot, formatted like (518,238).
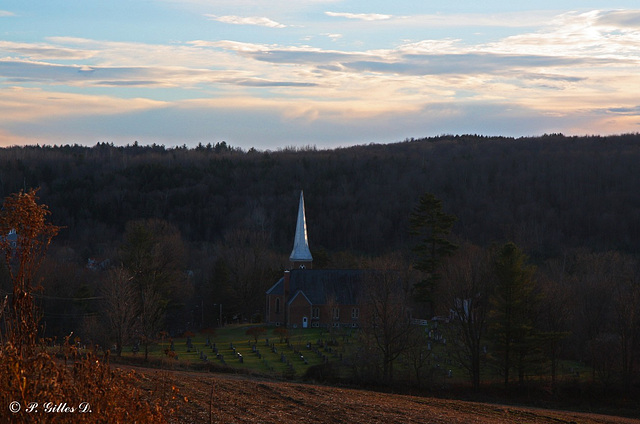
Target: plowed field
(204,398)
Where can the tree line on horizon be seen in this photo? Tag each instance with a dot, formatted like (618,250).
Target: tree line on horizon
(547,193)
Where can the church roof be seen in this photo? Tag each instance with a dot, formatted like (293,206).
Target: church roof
(322,286)
(301,252)
(299,293)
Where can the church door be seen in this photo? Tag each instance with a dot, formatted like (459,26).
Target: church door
(305,322)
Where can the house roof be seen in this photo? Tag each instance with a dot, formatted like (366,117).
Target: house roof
(323,286)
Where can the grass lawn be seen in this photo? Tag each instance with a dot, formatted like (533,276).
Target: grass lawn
(273,354)
(303,348)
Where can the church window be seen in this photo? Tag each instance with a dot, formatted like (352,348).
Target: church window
(355,313)
(277,305)
(315,313)
(336,313)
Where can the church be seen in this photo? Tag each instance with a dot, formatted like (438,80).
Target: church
(305,297)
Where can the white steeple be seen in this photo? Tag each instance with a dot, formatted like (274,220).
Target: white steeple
(301,252)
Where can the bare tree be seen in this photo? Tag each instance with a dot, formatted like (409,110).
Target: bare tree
(150,317)
(595,276)
(248,258)
(467,290)
(387,317)
(418,353)
(154,254)
(626,299)
(120,305)
(555,313)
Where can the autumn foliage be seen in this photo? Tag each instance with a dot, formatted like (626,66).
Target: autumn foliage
(39,383)
(22,216)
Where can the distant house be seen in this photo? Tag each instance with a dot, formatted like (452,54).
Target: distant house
(10,240)
(96,264)
(305,297)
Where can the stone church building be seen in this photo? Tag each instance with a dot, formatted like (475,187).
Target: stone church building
(305,297)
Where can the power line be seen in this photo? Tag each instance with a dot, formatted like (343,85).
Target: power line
(79,314)
(44,296)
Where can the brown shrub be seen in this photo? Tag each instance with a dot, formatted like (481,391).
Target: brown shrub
(76,389)
(36,387)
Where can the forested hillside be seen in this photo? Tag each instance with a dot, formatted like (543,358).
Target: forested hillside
(225,218)
(546,193)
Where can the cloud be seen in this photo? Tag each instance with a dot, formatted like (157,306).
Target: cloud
(255,82)
(574,72)
(23,71)
(138,54)
(467,63)
(412,59)
(31,105)
(286,54)
(4,13)
(620,18)
(526,19)
(608,35)
(74,75)
(333,37)
(270,123)
(360,16)
(249,20)
(633,111)
(41,51)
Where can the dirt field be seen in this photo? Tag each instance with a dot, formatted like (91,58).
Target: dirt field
(204,398)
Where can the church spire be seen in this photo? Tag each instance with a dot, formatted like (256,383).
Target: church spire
(301,255)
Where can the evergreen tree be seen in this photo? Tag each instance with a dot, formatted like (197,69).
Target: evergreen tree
(512,307)
(432,225)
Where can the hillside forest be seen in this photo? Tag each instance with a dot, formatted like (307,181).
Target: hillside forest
(210,228)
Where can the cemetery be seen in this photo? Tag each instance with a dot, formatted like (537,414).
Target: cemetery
(231,350)
(231,347)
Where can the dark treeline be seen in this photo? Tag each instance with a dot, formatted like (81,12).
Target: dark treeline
(546,194)
(214,224)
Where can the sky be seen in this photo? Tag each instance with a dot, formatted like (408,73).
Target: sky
(325,73)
